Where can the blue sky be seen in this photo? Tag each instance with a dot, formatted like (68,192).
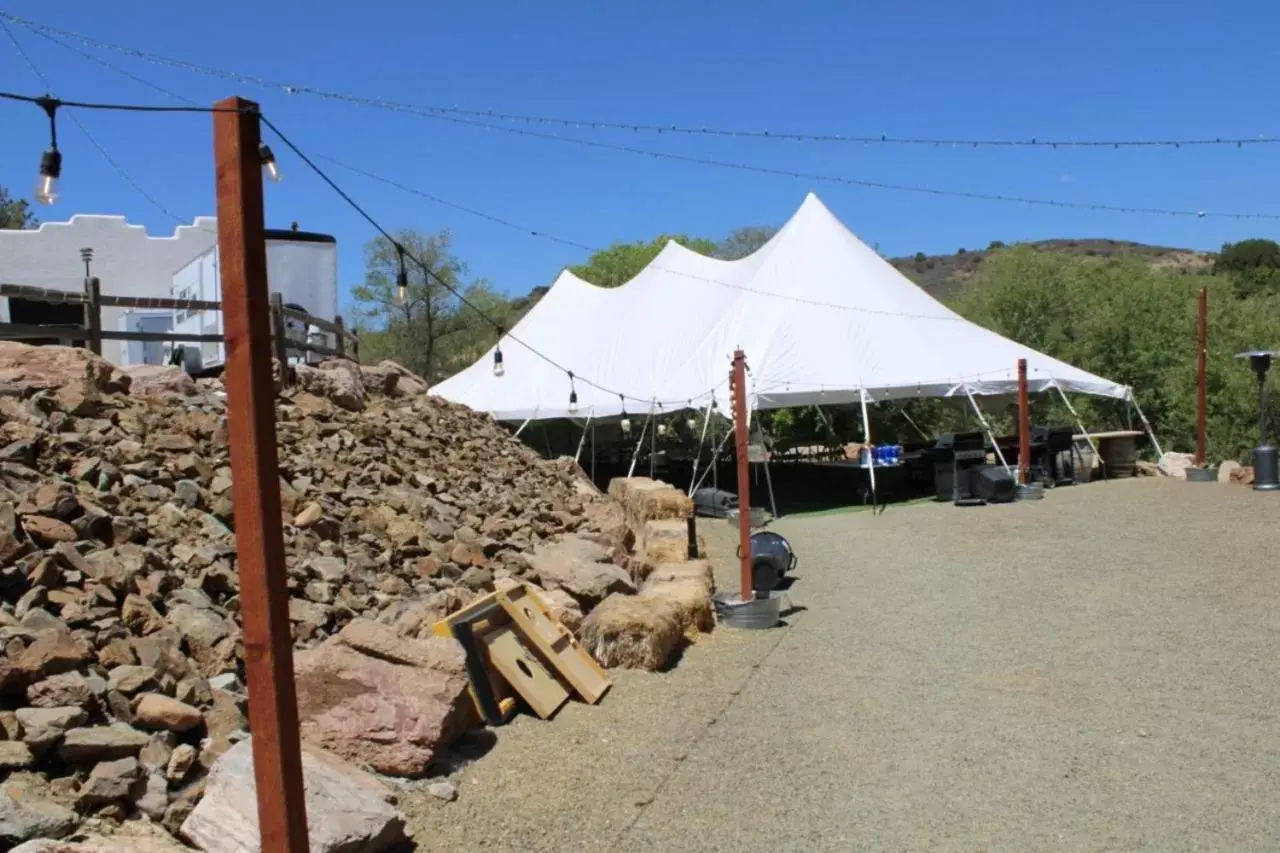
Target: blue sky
(1138,69)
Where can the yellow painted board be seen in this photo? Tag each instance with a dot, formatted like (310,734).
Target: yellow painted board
(539,687)
(554,643)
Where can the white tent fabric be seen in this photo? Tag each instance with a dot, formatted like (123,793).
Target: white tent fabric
(821,317)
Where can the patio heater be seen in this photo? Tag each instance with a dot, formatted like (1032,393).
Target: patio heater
(1266,475)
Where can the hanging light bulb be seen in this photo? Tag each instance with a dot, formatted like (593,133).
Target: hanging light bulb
(269,162)
(692,423)
(402,278)
(498,369)
(573,396)
(47,189)
(662,429)
(625,423)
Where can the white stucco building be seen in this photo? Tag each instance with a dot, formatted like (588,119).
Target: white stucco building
(130,262)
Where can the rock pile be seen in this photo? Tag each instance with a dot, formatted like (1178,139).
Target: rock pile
(121,672)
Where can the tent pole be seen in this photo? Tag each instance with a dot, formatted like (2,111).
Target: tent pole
(593,454)
(768,480)
(1088,438)
(715,452)
(705,421)
(522,426)
(1150,432)
(866,440)
(653,450)
(991,435)
(583,440)
(639,444)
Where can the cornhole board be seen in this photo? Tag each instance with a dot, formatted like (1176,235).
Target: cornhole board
(552,642)
(540,688)
(484,615)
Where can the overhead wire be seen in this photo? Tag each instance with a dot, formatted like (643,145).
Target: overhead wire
(106,155)
(459,116)
(646,127)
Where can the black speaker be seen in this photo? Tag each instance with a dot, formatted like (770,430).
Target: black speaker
(991,483)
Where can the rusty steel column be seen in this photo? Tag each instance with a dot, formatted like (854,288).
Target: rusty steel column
(738,388)
(251,424)
(1201,379)
(1024,425)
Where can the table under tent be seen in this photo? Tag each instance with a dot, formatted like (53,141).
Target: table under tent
(824,322)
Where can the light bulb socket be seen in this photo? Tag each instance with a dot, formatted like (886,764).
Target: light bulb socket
(51,163)
(498,369)
(265,154)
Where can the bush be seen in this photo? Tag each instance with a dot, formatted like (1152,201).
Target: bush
(995,244)
(1248,255)
(1122,320)
(919,257)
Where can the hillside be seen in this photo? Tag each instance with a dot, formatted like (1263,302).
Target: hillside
(944,275)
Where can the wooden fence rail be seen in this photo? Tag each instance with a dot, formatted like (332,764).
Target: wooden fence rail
(92,333)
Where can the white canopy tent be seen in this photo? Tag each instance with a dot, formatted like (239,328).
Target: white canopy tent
(822,318)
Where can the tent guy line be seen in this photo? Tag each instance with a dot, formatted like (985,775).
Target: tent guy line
(56,35)
(447,115)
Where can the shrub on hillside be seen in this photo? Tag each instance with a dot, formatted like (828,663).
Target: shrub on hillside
(1248,255)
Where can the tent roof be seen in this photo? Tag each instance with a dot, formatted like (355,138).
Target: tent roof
(820,316)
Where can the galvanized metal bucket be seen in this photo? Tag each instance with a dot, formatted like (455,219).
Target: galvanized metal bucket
(1202,475)
(1029,492)
(756,614)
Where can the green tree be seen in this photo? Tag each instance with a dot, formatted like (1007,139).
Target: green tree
(744,241)
(15,212)
(622,262)
(426,329)
(1248,255)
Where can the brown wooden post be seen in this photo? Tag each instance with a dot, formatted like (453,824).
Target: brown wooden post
(1024,425)
(278,337)
(93,313)
(251,423)
(1201,379)
(340,339)
(738,387)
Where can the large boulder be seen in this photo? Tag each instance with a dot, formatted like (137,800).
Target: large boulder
(390,710)
(1173,464)
(579,567)
(337,380)
(25,814)
(347,808)
(159,379)
(74,377)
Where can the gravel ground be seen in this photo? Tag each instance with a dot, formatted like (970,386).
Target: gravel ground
(1090,672)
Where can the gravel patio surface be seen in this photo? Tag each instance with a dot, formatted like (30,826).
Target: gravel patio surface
(1094,671)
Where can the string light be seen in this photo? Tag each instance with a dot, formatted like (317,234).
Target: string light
(47,185)
(269,162)
(573,396)
(498,369)
(402,277)
(625,423)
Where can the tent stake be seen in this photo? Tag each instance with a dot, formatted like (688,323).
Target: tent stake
(991,435)
(866,440)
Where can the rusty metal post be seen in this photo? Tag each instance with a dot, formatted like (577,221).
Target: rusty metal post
(264,596)
(738,387)
(1201,379)
(1024,425)
(93,313)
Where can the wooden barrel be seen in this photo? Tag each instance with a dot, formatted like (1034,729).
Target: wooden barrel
(1119,453)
